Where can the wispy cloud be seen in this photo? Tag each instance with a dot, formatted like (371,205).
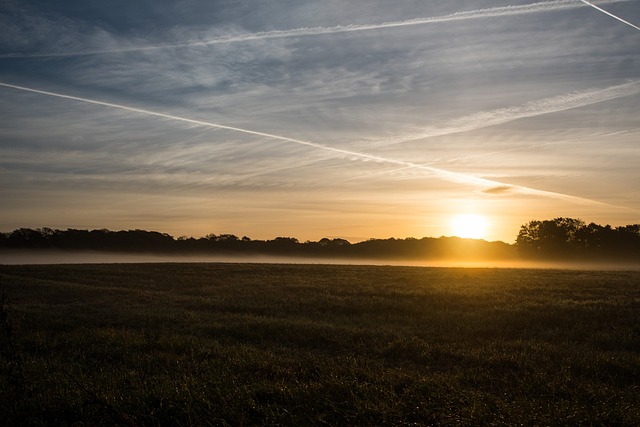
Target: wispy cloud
(531,109)
(501,189)
(450,176)
(493,12)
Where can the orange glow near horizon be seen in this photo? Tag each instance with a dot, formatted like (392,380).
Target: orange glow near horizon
(472,226)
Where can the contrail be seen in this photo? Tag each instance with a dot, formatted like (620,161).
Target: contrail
(610,14)
(539,107)
(446,175)
(492,12)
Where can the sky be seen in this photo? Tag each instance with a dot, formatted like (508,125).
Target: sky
(318,118)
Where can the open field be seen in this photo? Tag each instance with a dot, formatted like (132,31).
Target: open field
(247,344)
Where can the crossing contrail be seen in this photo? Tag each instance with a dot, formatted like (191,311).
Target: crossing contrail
(545,6)
(610,14)
(443,174)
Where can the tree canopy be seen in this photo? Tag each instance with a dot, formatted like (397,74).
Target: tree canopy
(573,238)
(554,239)
(155,242)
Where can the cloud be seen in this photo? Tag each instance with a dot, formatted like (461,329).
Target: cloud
(499,190)
(446,175)
(368,86)
(499,116)
(493,12)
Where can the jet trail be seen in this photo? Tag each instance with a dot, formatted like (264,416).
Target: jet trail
(455,177)
(545,6)
(610,14)
(531,109)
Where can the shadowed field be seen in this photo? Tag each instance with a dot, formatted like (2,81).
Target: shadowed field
(247,344)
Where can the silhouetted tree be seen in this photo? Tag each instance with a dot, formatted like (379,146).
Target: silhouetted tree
(550,237)
(571,238)
(555,238)
(26,238)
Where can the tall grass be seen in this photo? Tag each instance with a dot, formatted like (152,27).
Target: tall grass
(259,344)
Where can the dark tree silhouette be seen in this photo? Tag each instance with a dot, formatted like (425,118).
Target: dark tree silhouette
(572,238)
(549,237)
(558,238)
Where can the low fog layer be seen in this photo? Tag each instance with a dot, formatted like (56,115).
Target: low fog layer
(64,257)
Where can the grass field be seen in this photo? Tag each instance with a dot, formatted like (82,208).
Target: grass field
(266,344)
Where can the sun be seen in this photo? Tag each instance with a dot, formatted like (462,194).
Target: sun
(472,226)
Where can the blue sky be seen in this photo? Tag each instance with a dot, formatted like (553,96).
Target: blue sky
(309,119)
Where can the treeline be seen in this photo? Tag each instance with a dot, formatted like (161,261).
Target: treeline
(135,241)
(555,239)
(570,238)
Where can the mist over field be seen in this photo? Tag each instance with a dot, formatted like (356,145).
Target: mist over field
(93,257)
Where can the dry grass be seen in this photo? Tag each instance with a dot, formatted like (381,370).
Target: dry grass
(259,344)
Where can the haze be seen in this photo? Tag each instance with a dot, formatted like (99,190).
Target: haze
(88,257)
(359,119)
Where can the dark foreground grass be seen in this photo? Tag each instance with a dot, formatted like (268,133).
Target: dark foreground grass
(251,344)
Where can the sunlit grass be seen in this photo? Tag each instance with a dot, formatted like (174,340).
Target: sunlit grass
(232,344)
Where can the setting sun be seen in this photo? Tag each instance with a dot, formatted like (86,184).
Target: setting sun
(471,226)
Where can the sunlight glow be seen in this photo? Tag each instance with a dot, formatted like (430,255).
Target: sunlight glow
(472,226)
